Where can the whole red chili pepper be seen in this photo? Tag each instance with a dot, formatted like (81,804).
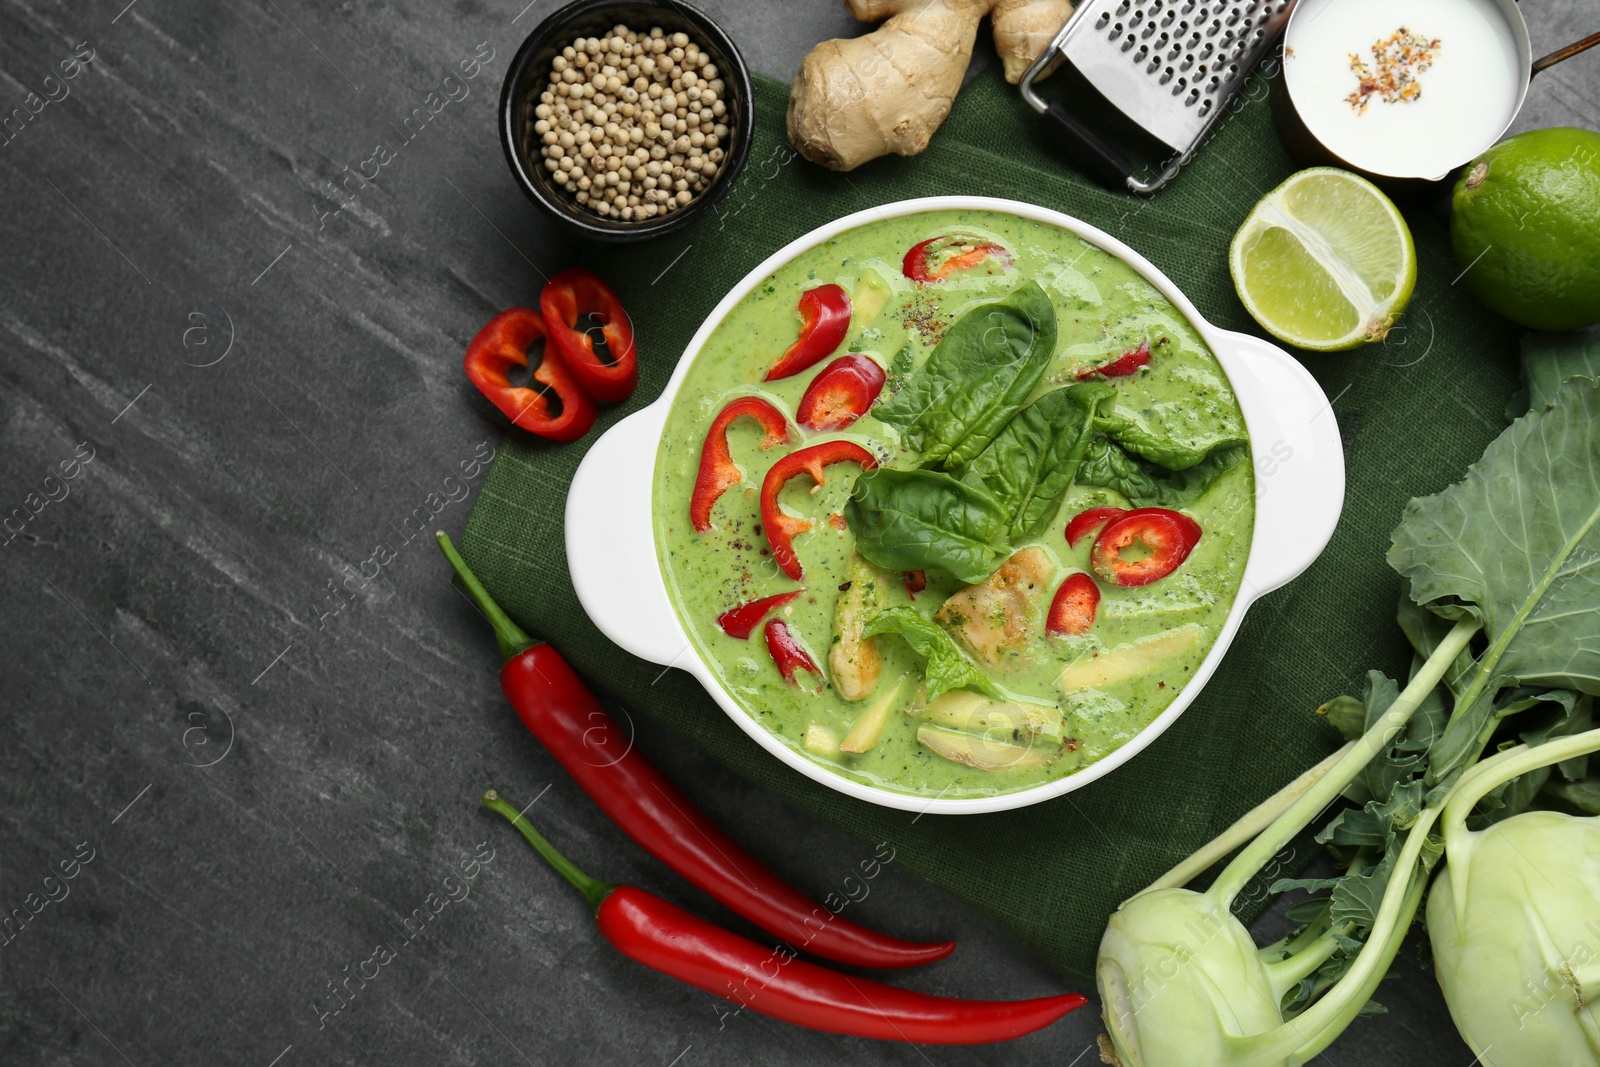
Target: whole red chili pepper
(771,982)
(790,656)
(1073,607)
(841,394)
(1087,522)
(718,471)
(559,710)
(742,621)
(1121,367)
(782,529)
(565,299)
(502,344)
(1168,535)
(965,252)
(824,320)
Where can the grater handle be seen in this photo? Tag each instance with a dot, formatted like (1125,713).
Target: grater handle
(1103,163)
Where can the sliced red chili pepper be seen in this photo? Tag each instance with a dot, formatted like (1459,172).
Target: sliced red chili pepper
(953,252)
(1168,536)
(502,344)
(1087,522)
(1121,367)
(1072,610)
(916,582)
(782,529)
(790,656)
(824,320)
(717,469)
(772,982)
(565,299)
(571,723)
(841,394)
(742,621)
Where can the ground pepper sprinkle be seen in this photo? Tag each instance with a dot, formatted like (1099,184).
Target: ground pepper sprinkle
(1392,78)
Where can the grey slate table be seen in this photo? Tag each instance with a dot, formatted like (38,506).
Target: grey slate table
(253,785)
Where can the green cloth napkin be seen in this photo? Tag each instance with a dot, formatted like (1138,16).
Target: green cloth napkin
(1414,413)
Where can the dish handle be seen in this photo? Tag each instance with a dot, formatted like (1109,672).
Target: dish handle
(1298,459)
(611,548)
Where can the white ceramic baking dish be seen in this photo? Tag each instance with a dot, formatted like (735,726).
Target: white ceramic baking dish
(1299,467)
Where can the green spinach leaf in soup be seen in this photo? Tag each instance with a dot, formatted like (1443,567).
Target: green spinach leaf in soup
(912,520)
(947,667)
(1174,435)
(976,379)
(1030,464)
(1149,485)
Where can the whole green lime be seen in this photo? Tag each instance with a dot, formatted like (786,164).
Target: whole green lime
(1525,225)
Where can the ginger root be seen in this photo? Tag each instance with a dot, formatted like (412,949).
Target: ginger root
(860,98)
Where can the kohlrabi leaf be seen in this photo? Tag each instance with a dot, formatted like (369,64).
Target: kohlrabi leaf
(1425,630)
(1582,797)
(1549,361)
(1516,544)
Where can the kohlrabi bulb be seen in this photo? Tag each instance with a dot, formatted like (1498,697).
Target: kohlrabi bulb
(1515,925)
(1182,982)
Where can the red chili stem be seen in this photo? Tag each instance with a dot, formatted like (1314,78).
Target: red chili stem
(593,890)
(574,727)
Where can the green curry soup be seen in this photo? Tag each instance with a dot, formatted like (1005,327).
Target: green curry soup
(1044,705)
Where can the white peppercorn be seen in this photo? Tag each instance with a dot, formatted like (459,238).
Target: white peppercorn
(631,114)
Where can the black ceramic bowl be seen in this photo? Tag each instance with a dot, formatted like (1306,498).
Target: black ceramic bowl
(530,73)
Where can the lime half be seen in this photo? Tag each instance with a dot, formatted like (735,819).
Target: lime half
(1324,261)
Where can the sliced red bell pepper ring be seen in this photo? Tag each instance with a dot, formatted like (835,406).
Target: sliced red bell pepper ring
(1073,607)
(841,394)
(781,529)
(1168,536)
(1123,366)
(937,258)
(742,621)
(788,653)
(717,469)
(1091,521)
(565,299)
(824,320)
(502,344)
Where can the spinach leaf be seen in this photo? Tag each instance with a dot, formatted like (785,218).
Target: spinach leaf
(1031,462)
(920,519)
(1175,447)
(1549,360)
(1516,544)
(947,666)
(977,378)
(1108,465)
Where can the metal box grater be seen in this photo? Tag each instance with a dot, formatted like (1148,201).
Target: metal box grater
(1169,65)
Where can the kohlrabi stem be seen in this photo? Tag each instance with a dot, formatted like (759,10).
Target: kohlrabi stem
(1316,1028)
(1249,825)
(1323,792)
(1302,962)
(1495,771)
